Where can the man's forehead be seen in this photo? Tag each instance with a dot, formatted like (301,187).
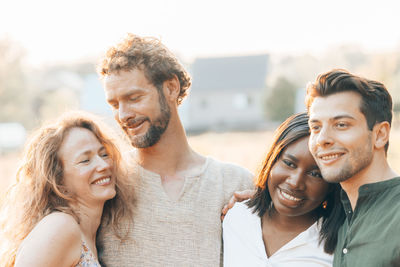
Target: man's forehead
(122,84)
(116,77)
(343,104)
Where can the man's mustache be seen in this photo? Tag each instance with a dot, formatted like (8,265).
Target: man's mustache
(134,122)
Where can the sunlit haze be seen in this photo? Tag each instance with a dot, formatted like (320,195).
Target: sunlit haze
(54,31)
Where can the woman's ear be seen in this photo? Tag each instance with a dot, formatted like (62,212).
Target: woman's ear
(381,132)
(172,89)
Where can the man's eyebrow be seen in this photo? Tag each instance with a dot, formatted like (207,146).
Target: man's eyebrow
(343,117)
(131,91)
(338,117)
(313,120)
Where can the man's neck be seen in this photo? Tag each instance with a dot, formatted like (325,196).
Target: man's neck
(171,155)
(172,159)
(378,171)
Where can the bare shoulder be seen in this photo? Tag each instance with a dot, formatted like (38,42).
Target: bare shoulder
(54,241)
(59,226)
(60,218)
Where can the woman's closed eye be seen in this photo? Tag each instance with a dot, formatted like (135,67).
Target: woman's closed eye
(103,152)
(84,161)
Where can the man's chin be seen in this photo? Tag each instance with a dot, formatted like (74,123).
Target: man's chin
(138,142)
(334,177)
(147,139)
(144,141)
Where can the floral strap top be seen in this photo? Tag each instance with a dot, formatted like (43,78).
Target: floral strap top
(87,258)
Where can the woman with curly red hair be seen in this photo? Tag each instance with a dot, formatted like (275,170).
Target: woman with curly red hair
(71,179)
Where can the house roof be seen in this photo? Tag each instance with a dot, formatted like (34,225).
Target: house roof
(227,73)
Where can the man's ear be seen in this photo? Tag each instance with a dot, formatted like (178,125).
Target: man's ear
(381,133)
(172,89)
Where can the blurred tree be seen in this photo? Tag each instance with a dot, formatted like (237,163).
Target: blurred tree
(14,95)
(280,103)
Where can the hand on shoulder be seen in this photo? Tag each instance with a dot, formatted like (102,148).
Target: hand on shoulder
(54,241)
(238,196)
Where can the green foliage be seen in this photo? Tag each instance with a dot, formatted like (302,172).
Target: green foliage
(280,103)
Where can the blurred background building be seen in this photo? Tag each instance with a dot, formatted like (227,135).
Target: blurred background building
(226,93)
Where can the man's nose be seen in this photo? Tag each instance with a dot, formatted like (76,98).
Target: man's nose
(323,138)
(125,113)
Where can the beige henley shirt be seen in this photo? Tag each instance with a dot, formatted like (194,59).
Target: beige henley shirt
(186,232)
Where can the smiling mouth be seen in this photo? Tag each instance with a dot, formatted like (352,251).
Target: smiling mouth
(134,126)
(330,157)
(134,123)
(289,196)
(102,181)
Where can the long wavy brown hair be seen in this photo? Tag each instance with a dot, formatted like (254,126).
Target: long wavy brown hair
(39,190)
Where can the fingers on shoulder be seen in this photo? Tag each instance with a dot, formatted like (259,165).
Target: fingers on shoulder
(245,194)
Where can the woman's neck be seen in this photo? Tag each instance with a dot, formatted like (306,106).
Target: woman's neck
(89,221)
(290,223)
(278,229)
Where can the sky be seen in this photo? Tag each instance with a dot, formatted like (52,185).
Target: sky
(53,31)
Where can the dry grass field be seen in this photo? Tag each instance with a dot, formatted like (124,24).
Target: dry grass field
(244,148)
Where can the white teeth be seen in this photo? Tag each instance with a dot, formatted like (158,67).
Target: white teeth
(290,197)
(330,157)
(103,181)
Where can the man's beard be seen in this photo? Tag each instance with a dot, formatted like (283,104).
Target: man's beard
(156,128)
(360,159)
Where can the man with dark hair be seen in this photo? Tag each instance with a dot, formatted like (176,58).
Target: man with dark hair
(350,121)
(180,193)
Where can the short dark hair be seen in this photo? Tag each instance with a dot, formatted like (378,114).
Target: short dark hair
(376,102)
(149,55)
(291,130)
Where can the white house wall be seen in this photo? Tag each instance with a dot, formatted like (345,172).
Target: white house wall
(223,109)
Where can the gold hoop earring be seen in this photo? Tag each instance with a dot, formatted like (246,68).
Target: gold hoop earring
(324,204)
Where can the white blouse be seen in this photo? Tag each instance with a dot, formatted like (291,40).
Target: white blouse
(244,246)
